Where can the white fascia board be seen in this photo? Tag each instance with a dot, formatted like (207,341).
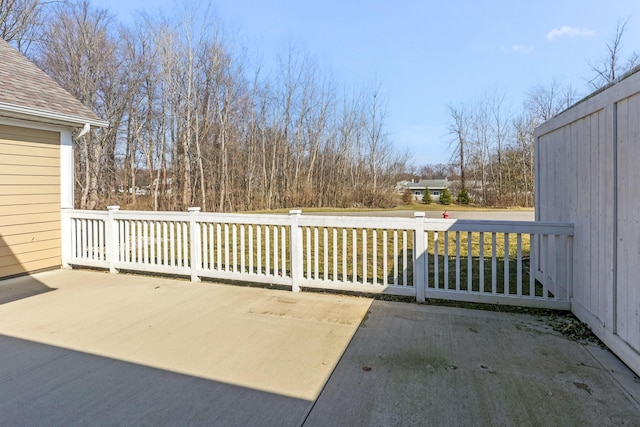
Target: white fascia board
(34,114)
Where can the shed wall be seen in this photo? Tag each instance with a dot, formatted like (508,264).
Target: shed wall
(588,173)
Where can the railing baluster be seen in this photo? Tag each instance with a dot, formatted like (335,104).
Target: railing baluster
(396,271)
(457,261)
(316,254)
(172,243)
(344,254)
(532,267)
(242,250)
(179,244)
(139,241)
(354,255)
(259,248)
(374,267)
(85,239)
(308,245)
(446,260)
(145,238)
(166,243)
(436,260)
(405,266)
(185,244)
(226,247)
(335,254)
(481,264)
(100,251)
(218,238)
(326,252)
(204,248)
(364,256)
(494,282)
(91,230)
(152,242)
(127,241)
(234,237)
(275,250)
(385,262)
(469,263)
(250,249)
(267,250)
(519,265)
(506,264)
(283,251)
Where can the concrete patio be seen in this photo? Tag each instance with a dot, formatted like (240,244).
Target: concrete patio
(90,348)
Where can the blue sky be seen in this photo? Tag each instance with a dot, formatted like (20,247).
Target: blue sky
(429,54)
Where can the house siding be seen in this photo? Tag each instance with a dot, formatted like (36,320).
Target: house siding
(29,200)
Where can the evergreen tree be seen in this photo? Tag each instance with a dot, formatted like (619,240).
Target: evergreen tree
(445,197)
(426,197)
(463,197)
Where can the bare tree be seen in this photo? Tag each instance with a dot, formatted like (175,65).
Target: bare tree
(81,51)
(612,64)
(20,21)
(544,102)
(459,129)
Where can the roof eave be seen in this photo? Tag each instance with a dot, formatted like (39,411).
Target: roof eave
(44,116)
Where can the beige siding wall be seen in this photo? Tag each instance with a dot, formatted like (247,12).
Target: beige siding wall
(588,173)
(29,200)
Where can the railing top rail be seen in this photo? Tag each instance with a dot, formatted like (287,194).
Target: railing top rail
(239,218)
(494,226)
(83,214)
(357,222)
(431,224)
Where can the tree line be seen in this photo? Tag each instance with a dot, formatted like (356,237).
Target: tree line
(195,122)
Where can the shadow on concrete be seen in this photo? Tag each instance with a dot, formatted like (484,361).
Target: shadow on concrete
(14,286)
(48,385)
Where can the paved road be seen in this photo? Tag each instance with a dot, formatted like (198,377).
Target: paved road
(504,215)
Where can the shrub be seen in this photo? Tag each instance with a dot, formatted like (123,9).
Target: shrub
(407,197)
(445,197)
(463,197)
(426,198)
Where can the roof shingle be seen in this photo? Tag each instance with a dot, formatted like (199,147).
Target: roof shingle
(23,84)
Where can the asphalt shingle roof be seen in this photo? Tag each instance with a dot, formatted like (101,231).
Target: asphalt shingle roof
(23,84)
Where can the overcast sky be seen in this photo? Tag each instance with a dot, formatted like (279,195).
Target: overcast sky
(429,54)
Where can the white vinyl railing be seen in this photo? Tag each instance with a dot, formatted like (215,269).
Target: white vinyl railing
(517,263)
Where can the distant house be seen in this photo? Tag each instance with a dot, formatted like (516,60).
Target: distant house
(434,186)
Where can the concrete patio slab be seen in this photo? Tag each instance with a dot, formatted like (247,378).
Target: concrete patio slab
(89,348)
(129,350)
(416,365)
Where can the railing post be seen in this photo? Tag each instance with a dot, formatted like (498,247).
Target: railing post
(194,246)
(296,250)
(111,238)
(419,257)
(65,232)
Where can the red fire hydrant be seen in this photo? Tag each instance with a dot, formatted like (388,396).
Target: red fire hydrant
(445,214)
